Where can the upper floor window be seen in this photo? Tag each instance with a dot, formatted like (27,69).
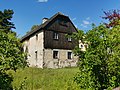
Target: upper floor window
(36,55)
(82,46)
(69,39)
(55,35)
(26,49)
(36,36)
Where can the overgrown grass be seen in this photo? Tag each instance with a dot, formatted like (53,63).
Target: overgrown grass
(46,79)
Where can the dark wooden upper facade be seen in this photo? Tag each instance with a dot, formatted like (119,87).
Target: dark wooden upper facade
(63,26)
(59,24)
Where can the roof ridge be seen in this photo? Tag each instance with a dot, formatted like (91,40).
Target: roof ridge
(42,25)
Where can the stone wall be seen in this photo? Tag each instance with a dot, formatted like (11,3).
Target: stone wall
(62,60)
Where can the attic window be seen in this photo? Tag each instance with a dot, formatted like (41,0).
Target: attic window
(55,35)
(82,46)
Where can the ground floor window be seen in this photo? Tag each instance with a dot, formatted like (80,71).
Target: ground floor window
(55,54)
(69,55)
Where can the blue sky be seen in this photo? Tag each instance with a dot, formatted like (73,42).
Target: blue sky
(82,12)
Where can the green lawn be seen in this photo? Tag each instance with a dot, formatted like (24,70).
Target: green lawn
(46,79)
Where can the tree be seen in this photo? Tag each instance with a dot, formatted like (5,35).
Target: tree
(5,20)
(99,65)
(33,28)
(113,16)
(11,54)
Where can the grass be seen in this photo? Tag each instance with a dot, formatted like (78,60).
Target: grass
(45,79)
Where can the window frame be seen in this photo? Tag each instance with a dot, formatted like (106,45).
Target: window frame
(69,39)
(55,35)
(69,55)
(55,54)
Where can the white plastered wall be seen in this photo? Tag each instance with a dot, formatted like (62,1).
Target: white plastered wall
(35,46)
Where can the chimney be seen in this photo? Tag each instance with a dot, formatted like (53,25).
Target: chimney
(44,20)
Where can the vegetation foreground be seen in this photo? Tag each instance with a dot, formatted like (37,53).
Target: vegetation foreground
(45,79)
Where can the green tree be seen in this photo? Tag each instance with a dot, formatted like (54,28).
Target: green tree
(33,28)
(100,64)
(11,54)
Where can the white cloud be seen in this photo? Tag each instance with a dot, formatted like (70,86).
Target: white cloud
(83,25)
(42,0)
(86,22)
(88,18)
(74,19)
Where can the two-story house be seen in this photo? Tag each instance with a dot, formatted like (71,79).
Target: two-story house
(48,46)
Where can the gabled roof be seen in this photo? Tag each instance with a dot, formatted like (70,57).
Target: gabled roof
(43,26)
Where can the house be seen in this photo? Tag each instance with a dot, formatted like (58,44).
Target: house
(83,45)
(47,45)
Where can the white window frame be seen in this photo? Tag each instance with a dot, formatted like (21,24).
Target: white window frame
(55,35)
(69,39)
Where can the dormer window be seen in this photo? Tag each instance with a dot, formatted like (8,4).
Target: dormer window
(55,35)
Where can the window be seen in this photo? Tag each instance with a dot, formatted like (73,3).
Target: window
(36,36)
(82,46)
(55,35)
(69,55)
(26,49)
(36,57)
(69,39)
(55,54)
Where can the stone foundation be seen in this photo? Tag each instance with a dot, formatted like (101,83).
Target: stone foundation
(62,60)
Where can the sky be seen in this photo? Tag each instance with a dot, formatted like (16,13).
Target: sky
(81,12)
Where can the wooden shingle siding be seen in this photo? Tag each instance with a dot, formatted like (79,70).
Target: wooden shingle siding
(62,26)
(60,43)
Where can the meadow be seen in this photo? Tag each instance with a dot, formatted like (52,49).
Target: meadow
(45,79)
